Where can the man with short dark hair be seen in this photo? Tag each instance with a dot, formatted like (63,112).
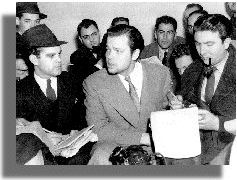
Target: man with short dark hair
(119,99)
(211,85)
(166,40)
(28,15)
(48,96)
(87,58)
(188,10)
(119,20)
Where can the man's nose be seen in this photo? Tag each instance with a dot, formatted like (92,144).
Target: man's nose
(91,38)
(202,49)
(165,35)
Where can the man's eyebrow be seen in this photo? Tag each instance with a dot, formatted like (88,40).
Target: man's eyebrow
(209,42)
(50,54)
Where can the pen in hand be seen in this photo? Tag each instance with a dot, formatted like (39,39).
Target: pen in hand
(175,103)
(172,94)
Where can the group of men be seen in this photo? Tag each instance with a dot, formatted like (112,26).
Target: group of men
(115,87)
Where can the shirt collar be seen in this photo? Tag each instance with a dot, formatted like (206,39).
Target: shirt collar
(44,81)
(220,66)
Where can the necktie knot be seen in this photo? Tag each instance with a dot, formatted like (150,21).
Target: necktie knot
(48,82)
(128,79)
(208,71)
(50,93)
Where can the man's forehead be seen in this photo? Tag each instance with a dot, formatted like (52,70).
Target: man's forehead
(117,40)
(167,27)
(30,16)
(207,35)
(47,50)
(89,30)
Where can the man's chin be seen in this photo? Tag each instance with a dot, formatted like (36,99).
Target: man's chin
(111,71)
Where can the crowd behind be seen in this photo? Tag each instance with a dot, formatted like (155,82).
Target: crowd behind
(115,82)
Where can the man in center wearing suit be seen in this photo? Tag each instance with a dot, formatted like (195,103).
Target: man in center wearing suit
(118,118)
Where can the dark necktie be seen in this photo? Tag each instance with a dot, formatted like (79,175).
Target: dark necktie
(164,60)
(133,93)
(50,93)
(209,91)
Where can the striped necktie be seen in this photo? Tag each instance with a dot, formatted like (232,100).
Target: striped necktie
(164,60)
(209,90)
(133,93)
(50,93)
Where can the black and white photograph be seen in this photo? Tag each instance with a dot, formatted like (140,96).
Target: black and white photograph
(121,83)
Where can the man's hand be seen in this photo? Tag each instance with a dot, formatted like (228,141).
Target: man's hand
(207,120)
(73,149)
(176,102)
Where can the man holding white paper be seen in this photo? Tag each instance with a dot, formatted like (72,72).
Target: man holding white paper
(212,87)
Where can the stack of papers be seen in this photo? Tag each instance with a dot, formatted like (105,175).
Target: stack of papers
(176,133)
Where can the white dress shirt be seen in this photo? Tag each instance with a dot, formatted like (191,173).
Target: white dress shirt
(43,83)
(162,53)
(136,77)
(220,67)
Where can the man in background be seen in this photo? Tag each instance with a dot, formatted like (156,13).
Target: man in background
(87,58)
(165,41)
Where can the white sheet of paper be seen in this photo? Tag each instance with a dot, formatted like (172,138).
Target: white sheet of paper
(176,132)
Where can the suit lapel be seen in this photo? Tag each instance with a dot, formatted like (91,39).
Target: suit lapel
(119,98)
(66,97)
(227,81)
(38,94)
(145,95)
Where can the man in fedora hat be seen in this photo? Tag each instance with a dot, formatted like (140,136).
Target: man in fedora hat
(48,96)
(27,15)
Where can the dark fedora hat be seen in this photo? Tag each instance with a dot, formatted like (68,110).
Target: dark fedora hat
(29,7)
(41,36)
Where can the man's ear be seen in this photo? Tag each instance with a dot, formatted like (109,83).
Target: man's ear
(135,54)
(227,42)
(175,35)
(17,21)
(79,38)
(155,35)
(33,59)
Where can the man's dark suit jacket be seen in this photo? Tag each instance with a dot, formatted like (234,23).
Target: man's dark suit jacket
(223,103)
(62,115)
(83,62)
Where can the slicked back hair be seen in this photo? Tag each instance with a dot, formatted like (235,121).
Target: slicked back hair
(85,24)
(135,38)
(166,20)
(214,23)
